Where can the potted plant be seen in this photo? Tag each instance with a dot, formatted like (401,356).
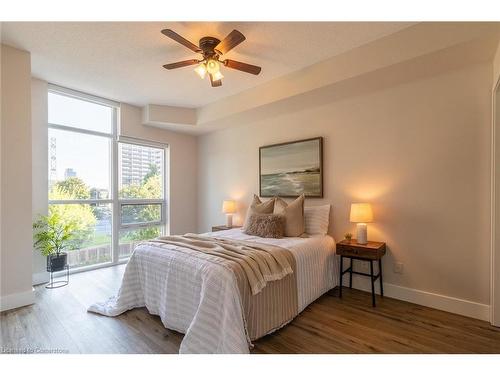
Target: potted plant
(51,236)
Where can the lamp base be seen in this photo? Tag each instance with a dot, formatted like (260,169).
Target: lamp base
(361,236)
(229,220)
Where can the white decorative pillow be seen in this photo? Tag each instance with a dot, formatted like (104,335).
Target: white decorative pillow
(317,219)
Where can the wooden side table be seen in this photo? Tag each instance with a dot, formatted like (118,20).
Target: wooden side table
(372,251)
(217,228)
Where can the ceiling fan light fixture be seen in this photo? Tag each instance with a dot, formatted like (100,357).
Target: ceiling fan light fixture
(211,50)
(201,70)
(217,76)
(212,66)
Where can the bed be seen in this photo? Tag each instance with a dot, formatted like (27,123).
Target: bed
(200,297)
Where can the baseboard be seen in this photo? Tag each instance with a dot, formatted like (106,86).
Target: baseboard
(420,297)
(40,278)
(13,301)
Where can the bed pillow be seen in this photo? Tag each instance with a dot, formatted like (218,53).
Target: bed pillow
(294,215)
(317,219)
(258,207)
(266,225)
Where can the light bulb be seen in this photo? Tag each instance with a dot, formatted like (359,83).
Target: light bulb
(212,66)
(217,75)
(201,70)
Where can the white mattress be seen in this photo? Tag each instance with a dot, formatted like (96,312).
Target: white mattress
(315,257)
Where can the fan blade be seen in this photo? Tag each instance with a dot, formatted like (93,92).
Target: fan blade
(180,64)
(232,40)
(179,39)
(217,83)
(247,68)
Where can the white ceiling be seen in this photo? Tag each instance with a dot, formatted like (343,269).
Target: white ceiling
(123,61)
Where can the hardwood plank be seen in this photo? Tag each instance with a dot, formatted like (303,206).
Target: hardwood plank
(59,320)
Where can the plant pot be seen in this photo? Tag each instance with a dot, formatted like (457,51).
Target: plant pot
(57,262)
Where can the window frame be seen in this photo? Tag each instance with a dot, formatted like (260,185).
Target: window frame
(114,200)
(143,201)
(110,138)
(142,224)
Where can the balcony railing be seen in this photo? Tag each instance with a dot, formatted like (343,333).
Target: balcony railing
(98,254)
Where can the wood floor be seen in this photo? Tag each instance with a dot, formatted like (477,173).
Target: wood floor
(59,321)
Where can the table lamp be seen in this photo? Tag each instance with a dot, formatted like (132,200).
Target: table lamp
(229,208)
(361,213)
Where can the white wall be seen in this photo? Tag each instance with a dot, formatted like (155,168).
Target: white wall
(1,167)
(15,288)
(183,167)
(496,65)
(1,163)
(495,258)
(418,150)
(39,167)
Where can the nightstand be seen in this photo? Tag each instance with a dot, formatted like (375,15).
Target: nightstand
(372,251)
(223,227)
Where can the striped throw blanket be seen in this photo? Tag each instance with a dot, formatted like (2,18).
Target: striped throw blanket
(221,293)
(260,262)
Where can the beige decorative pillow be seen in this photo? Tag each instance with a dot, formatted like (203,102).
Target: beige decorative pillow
(266,225)
(294,215)
(259,207)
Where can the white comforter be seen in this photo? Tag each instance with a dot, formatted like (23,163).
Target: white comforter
(201,299)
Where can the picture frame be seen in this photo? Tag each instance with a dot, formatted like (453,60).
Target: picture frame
(289,169)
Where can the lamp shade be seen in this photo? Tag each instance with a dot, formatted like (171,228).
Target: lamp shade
(361,213)
(228,207)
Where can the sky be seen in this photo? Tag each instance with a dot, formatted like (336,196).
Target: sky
(88,155)
(290,157)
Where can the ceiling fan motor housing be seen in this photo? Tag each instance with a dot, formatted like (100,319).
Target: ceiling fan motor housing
(207,45)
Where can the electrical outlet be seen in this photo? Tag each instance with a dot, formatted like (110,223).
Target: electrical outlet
(398,267)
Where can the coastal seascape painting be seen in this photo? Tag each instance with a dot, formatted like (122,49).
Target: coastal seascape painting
(292,168)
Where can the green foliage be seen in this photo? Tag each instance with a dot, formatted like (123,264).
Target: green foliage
(153,171)
(80,219)
(83,219)
(74,188)
(142,234)
(151,188)
(81,216)
(52,234)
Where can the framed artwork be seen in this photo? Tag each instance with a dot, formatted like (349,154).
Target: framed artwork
(292,168)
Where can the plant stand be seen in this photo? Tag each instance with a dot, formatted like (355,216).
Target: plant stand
(60,283)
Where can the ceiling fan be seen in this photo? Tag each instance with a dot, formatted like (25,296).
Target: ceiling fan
(212,49)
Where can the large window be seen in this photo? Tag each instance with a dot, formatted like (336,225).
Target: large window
(113,192)
(141,193)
